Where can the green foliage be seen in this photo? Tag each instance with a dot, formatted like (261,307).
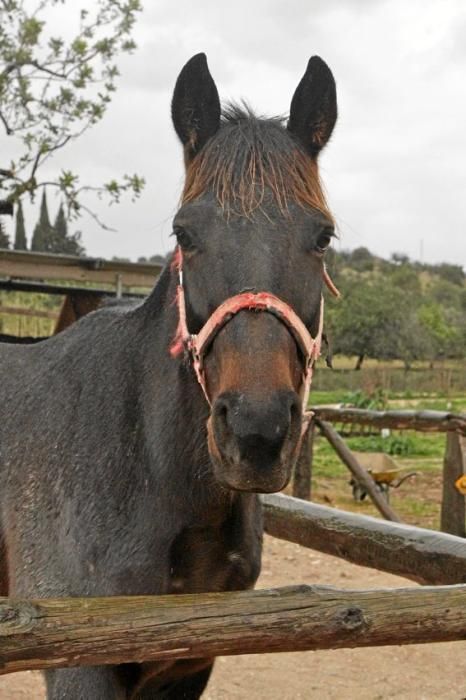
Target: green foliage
(52,91)
(376,400)
(20,231)
(64,242)
(43,236)
(362,259)
(55,239)
(401,445)
(396,309)
(369,319)
(453,274)
(433,317)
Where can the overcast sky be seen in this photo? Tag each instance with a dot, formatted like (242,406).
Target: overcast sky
(395,170)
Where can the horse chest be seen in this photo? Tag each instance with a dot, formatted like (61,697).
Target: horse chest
(202,561)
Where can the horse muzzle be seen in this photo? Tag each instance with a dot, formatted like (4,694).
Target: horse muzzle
(254,442)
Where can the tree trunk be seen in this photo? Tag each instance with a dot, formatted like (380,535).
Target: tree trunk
(359,362)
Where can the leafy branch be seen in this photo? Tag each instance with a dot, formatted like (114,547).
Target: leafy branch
(52,91)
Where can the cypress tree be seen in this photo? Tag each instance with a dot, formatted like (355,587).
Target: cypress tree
(66,243)
(20,233)
(4,240)
(61,232)
(44,234)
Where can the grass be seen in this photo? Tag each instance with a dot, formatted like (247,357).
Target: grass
(418,499)
(407,400)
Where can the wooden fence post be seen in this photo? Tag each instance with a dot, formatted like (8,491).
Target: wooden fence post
(303,469)
(453,502)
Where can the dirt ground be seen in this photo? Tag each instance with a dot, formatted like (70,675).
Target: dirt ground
(418,672)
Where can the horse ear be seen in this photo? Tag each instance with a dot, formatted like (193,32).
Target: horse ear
(313,110)
(195,105)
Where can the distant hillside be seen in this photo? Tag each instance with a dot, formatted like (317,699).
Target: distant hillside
(397,308)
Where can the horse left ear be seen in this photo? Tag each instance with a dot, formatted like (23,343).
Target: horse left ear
(195,105)
(313,110)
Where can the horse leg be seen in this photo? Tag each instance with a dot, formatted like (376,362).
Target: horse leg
(94,683)
(182,681)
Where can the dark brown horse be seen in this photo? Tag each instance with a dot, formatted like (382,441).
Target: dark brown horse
(120,476)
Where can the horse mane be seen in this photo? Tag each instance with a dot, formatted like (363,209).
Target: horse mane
(249,157)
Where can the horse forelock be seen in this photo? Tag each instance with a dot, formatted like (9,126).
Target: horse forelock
(248,158)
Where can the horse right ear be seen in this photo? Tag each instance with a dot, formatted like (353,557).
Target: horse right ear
(313,110)
(195,105)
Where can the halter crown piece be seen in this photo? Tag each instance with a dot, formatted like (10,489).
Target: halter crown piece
(198,344)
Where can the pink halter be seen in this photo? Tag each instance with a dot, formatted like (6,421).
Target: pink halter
(197,345)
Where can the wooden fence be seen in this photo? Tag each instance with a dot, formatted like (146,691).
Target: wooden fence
(81,282)
(55,633)
(63,632)
(453,515)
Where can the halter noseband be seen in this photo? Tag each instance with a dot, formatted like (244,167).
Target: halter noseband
(198,344)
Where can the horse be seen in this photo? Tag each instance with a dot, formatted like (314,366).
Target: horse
(134,444)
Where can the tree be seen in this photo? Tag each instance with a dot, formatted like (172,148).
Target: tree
(63,241)
(446,336)
(362,259)
(369,319)
(400,259)
(44,235)
(4,240)
(157,259)
(52,91)
(20,232)
(60,226)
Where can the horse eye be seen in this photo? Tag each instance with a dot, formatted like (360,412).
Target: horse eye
(183,238)
(324,240)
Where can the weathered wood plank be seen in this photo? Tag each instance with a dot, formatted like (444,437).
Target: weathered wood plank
(426,556)
(32,265)
(453,515)
(427,421)
(13,285)
(77,632)
(359,473)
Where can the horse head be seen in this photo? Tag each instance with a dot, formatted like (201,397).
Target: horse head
(252,232)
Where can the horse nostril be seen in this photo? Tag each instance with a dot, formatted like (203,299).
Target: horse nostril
(251,427)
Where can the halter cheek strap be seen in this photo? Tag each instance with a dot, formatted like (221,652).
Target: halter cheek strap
(197,345)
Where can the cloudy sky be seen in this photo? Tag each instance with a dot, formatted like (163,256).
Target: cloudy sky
(395,170)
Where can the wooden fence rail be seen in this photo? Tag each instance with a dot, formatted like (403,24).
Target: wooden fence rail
(41,634)
(426,556)
(426,421)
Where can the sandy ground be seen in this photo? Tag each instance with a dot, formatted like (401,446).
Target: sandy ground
(418,672)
